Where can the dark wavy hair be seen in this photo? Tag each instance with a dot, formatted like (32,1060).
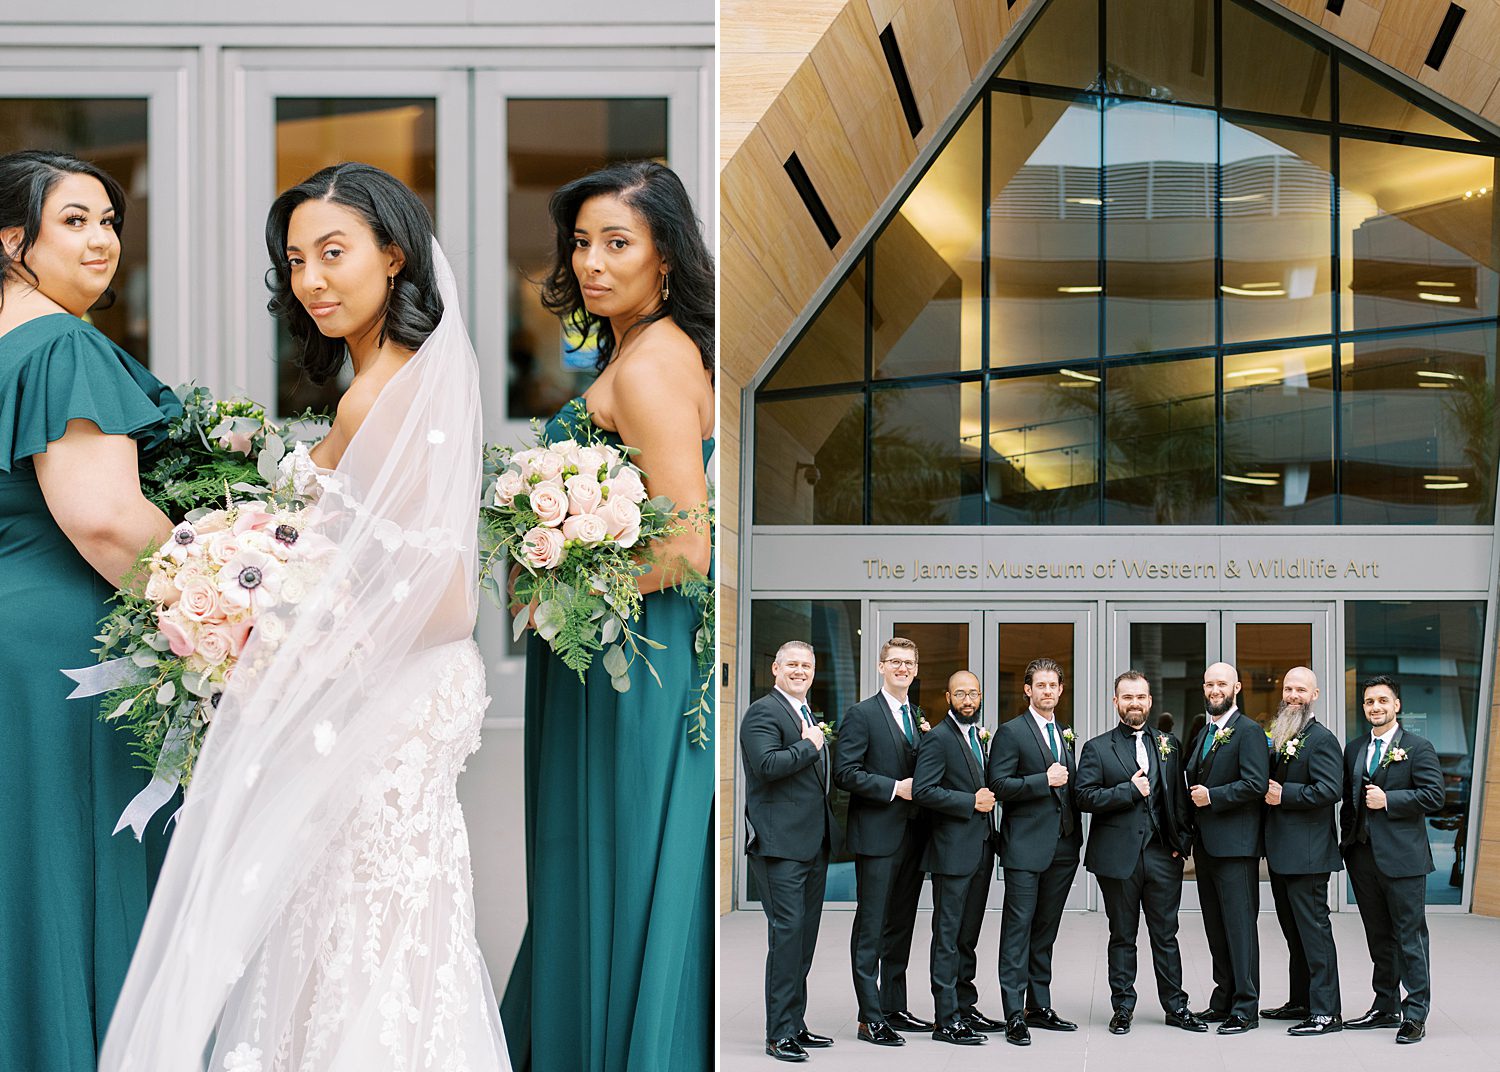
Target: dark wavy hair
(397,217)
(658,195)
(1380,679)
(26,178)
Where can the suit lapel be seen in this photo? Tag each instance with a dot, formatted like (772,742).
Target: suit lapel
(1383,771)
(898,738)
(796,721)
(1123,751)
(963,743)
(1041,742)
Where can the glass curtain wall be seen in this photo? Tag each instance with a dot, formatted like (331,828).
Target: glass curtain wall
(1178,264)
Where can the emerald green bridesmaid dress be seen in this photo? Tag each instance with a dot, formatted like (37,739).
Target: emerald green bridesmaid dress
(616,973)
(72,895)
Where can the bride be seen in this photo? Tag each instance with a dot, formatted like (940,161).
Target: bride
(316,913)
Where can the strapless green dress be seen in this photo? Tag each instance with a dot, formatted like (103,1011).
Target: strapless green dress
(72,895)
(616,973)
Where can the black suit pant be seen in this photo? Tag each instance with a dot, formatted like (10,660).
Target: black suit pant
(1028,930)
(792,893)
(885,915)
(1394,912)
(1155,888)
(1313,960)
(1229,893)
(957,915)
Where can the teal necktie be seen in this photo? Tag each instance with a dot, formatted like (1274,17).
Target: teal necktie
(806,715)
(1208,740)
(974,744)
(1375,757)
(1052,740)
(906,724)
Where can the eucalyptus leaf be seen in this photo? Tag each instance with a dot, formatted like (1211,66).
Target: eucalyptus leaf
(550,618)
(621,684)
(223,428)
(157,641)
(615,663)
(275,448)
(657,644)
(265,465)
(196,684)
(611,631)
(118,711)
(167,692)
(519,622)
(144,659)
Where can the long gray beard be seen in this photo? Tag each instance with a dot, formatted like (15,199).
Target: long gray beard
(1291,720)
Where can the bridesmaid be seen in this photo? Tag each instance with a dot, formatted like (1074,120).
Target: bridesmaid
(74,411)
(616,973)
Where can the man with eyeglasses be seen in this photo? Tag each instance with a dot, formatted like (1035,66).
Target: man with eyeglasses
(877,755)
(949,784)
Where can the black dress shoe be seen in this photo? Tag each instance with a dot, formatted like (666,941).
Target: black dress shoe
(1287,1012)
(905,1021)
(1412,1031)
(808,1041)
(1119,1023)
(881,1034)
(1186,1020)
(1048,1020)
(1015,1031)
(1212,1016)
(1235,1024)
(977,1021)
(958,1033)
(1374,1018)
(785,1050)
(1316,1025)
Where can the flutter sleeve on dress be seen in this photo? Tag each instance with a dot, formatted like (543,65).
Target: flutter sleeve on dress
(78,374)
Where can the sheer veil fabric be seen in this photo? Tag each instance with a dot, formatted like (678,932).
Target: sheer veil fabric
(315,910)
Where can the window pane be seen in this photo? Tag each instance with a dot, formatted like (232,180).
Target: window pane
(1055,50)
(1419,429)
(1269,69)
(942,651)
(396,135)
(1278,233)
(1017,644)
(832,350)
(1416,235)
(1366,103)
(549,143)
(1263,653)
(1043,461)
(111,133)
(1434,649)
(1163,49)
(1159,450)
(927,266)
(1044,230)
(810,461)
(1278,437)
(832,628)
(1159,241)
(1173,656)
(924,456)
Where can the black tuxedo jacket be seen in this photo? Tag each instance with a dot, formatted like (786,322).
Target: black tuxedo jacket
(1302,836)
(785,784)
(946,779)
(1121,825)
(1032,817)
(1413,789)
(871,757)
(1236,774)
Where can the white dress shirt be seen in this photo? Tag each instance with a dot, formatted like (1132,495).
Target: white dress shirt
(1385,744)
(894,706)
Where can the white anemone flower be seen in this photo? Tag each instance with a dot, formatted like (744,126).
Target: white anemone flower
(250,580)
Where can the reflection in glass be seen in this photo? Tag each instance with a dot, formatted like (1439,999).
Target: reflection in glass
(1017,644)
(396,135)
(1043,464)
(832,628)
(924,455)
(1277,204)
(927,312)
(1416,235)
(1263,653)
(1044,230)
(832,350)
(1159,455)
(111,133)
(1159,239)
(1419,429)
(1434,648)
(1278,437)
(1161,49)
(549,143)
(1173,656)
(810,461)
(1364,102)
(1269,69)
(942,651)
(1054,50)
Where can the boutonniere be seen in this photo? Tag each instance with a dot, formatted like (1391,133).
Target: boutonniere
(1070,737)
(830,731)
(1292,747)
(1220,736)
(1395,755)
(984,735)
(921,720)
(1164,746)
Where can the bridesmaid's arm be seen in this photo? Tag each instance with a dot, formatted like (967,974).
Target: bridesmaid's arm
(662,421)
(92,485)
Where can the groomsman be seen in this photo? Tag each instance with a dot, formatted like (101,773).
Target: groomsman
(1302,849)
(1228,771)
(1031,772)
(1130,778)
(791,835)
(949,782)
(1392,781)
(877,755)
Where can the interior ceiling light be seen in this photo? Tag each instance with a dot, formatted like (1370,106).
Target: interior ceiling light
(1433,374)
(1242,292)
(1447,299)
(1261,286)
(1079,375)
(1096,201)
(1457,485)
(1440,386)
(1434,283)
(1240,197)
(1250,480)
(1266,476)
(1252,372)
(1440,477)
(1079,290)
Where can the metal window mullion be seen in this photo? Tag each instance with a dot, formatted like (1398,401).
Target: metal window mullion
(1337,285)
(984,314)
(1218,296)
(869,451)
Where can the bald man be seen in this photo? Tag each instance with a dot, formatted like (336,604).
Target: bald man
(1228,773)
(1302,850)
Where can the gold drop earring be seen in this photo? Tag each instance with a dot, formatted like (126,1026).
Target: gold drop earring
(666,290)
